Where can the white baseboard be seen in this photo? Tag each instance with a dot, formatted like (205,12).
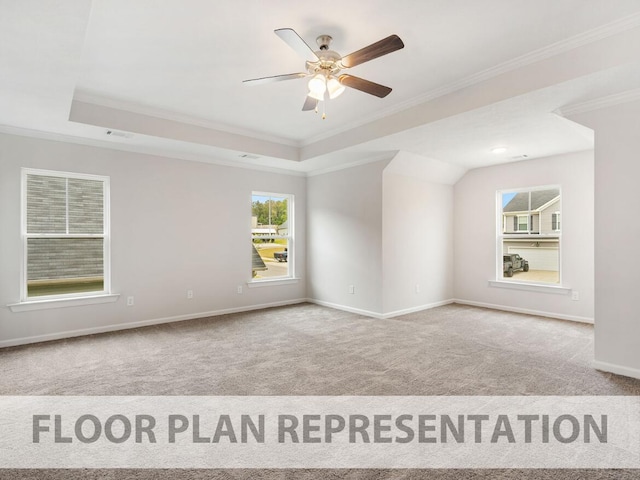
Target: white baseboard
(368,313)
(158,321)
(344,308)
(539,313)
(617,369)
(420,308)
(13,342)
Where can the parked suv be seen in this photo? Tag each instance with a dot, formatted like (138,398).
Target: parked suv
(282,256)
(513,262)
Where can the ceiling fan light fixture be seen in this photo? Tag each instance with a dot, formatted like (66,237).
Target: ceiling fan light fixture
(317,86)
(334,87)
(316,96)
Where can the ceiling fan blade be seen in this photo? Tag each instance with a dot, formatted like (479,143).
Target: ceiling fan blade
(375,50)
(277,78)
(294,40)
(364,85)
(309,104)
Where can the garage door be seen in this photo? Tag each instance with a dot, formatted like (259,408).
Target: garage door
(539,258)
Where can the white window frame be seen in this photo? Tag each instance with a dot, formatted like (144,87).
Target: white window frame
(290,277)
(58,300)
(500,280)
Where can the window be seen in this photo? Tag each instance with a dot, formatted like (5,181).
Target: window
(271,236)
(522,223)
(65,234)
(529,235)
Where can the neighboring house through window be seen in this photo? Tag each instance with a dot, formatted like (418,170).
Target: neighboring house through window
(529,235)
(65,234)
(271,236)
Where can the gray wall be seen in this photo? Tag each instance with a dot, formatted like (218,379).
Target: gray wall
(344,221)
(179,225)
(417,243)
(382,232)
(475,234)
(175,226)
(617,237)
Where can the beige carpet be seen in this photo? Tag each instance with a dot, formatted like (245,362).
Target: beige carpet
(310,350)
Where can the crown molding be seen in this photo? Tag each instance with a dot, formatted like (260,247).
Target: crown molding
(604,31)
(85,97)
(598,103)
(144,150)
(158,152)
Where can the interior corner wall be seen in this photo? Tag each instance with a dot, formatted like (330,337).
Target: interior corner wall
(475,245)
(617,236)
(175,226)
(417,243)
(344,235)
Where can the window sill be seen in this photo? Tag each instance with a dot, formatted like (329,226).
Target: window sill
(30,305)
(530,287)
(272,283)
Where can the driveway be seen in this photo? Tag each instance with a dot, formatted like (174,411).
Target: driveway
(275,268)
(546,276)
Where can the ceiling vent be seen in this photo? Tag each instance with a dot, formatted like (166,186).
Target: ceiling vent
(116,133)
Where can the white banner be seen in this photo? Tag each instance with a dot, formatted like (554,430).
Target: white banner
(320,432)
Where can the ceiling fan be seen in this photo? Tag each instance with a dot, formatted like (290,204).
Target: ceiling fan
(325,67)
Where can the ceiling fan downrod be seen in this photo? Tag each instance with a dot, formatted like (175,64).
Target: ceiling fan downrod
(323,41)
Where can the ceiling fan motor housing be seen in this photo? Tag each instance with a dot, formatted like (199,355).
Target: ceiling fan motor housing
(329,59)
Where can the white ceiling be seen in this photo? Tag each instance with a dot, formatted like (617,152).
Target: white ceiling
(472,75)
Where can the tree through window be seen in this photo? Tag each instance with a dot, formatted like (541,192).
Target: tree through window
(271,236)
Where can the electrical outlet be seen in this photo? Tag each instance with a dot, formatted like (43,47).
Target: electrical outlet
(352,289)
(239,290)
(575,295)
(189,293)
(417,288)
(129,301)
